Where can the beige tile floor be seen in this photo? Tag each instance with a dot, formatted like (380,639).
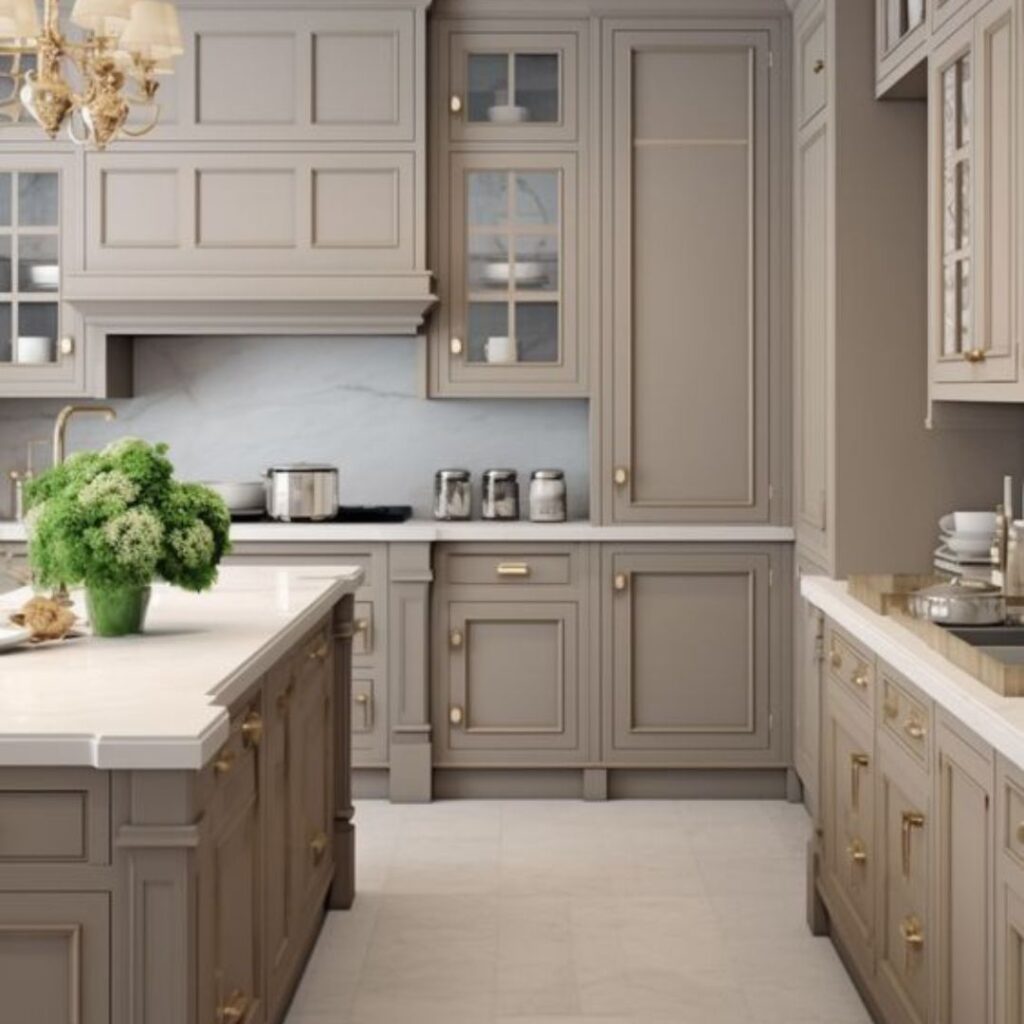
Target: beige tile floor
(572,913)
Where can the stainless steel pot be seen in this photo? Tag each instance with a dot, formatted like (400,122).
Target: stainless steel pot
(302,491)
(960,603)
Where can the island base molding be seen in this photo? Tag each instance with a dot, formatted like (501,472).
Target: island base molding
(146,896)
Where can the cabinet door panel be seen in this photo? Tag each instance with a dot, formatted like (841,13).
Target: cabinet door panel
(812,80)
(512,678)
(690,325)
(690,654)
(1010,963)
(808,679)
(55,957)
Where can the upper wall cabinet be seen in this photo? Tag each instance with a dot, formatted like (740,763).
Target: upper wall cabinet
(901,32)
(509,211)
(691,274)
(974,227)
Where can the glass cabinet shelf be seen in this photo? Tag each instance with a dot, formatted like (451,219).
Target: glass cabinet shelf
(29,268)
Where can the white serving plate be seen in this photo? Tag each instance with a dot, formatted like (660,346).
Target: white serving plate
(526,272)
(968,545)
(12,636)
(948,554)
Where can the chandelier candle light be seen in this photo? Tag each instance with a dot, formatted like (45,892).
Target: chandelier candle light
(125,45)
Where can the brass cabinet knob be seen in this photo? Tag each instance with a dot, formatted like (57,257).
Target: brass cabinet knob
(320,654)
(318,846)
(914,729)
(975,355)
(621,581)
(860,679)
(234,1010)
(455,104)
(362,698)
(455,715)
(361,625)
(225,762)
(67,345)
(455,346)
(621,476)
(455,638)
(835,659)
(857,852)
(818,66)
(252,729)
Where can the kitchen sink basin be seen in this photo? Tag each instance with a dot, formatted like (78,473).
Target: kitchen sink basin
(1004,643)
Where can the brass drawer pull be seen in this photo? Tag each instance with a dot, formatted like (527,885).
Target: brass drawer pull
(455,715)
(857,762)
(911,820)
(234,1010)
(818,66)
(975,355)
(914,729)
(318,846)
(857,852)
(621,582)
(225,762)
(252,729)
(513,569)
(320,654)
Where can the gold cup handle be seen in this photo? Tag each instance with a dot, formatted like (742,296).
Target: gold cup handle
(975,355)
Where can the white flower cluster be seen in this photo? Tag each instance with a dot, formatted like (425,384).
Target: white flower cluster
(135,538)
(194,545)
(113,490)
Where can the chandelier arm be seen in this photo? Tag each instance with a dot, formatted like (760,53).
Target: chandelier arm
(138,133)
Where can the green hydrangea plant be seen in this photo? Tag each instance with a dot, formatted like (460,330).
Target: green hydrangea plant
(118,517)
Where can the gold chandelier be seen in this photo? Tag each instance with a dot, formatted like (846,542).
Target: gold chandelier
(90,84)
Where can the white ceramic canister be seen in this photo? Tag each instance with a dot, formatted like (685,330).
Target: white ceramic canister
(548,496)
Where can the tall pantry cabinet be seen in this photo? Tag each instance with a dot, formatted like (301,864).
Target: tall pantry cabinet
(871,479)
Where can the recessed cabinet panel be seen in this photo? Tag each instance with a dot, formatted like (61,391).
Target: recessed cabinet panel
(321,212)
(812,80)
(55,957)
(690,660)
(228,66)
(689,333)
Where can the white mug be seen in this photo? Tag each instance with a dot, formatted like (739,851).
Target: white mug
(32,348)
(500,350)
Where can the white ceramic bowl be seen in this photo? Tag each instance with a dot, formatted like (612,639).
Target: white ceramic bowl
(970,545)
(44,275)
(526,272)
(240,496)
(507,114)
(32,349)
(969,522)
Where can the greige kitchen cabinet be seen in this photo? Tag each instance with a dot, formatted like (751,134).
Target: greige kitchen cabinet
(1009,902)
(904,892)
(55,956)
(808,660)
(510,216)
(511,660)
(901,40)
(43,348)
(690,648)
(693,131)
(964,865)
(847,817)
(860,321)
(973,266)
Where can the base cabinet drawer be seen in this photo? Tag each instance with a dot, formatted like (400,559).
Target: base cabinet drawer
(369,720)
(55,957)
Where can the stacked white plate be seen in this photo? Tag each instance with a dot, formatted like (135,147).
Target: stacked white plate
(965,543)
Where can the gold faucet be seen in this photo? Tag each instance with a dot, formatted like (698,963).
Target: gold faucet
(61,426)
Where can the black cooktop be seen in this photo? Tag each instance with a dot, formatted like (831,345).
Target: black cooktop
(348,514)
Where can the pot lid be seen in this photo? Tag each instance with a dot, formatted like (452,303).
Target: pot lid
(302,467)
(959,588)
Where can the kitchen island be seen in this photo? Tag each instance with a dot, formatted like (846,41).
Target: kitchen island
(175,807)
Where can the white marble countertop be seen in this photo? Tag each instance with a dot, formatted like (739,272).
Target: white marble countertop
(997,720)
(430,531)
(159,699)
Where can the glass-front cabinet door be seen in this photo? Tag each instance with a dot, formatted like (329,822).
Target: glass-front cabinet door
(973,296)
(37,344)
(512,86)
(513,267)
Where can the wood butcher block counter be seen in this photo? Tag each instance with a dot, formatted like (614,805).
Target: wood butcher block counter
(175,807)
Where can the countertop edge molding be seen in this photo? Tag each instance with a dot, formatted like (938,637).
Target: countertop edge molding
(998,720)
(428,531)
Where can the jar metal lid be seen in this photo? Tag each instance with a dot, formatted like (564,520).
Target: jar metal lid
(303,467)
(500,474)
(548,474)
(453,474)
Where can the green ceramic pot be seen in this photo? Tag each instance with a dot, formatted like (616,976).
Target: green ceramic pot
(117,611)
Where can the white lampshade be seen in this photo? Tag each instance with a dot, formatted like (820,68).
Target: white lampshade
(19,20)
(104,17)
(153,30)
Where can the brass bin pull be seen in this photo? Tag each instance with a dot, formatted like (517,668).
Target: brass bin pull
(513,569)
(857,761)
(234,1010)
(252,729)
(911,820)
(318,846)
(975,355)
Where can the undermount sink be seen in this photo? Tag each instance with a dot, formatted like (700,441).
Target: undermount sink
(1004,643)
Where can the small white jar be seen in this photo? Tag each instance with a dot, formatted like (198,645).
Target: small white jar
(548,496)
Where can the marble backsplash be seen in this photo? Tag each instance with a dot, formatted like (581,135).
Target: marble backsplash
(228,407)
